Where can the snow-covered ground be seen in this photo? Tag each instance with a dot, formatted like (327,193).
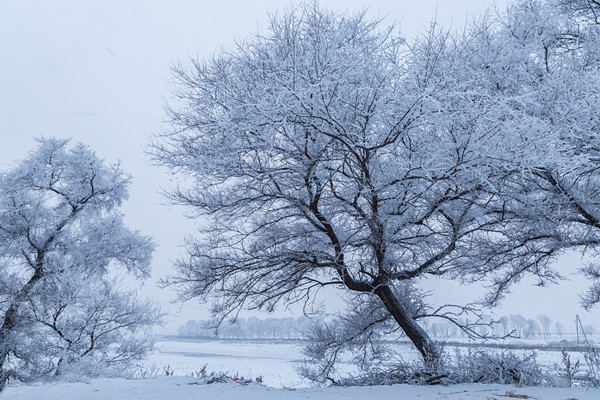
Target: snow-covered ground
(274,361)
(185,388)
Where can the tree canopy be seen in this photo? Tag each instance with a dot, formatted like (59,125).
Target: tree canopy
(329,151)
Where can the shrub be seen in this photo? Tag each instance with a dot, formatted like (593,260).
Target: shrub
(488,366)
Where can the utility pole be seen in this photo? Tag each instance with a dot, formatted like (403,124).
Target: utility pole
(579,325)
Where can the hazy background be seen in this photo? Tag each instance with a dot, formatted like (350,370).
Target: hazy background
(99,72)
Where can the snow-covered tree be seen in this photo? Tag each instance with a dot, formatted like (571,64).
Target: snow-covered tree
(330,152)
(63,249)
(586,9)
(546,324)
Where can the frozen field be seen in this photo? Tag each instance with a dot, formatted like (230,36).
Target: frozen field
(273,361)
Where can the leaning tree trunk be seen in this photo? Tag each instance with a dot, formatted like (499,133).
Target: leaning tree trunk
(9,323)
(428,349)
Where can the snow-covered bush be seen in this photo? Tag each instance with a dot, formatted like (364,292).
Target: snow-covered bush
(567,370)
(491,366)
(592,359)
(410,373)
(471,366)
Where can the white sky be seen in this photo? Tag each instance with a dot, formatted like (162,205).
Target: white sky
(99,71)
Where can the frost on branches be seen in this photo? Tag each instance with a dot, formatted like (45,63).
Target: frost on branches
(551,60)
(329,152)
(62,241)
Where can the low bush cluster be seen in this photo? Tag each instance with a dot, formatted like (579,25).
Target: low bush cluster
(203,377)
(485,366)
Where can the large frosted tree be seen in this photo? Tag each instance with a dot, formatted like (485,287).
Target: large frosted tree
(63,244)
(329,152)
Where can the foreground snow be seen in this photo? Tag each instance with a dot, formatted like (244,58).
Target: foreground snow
(184,388)
(275,361)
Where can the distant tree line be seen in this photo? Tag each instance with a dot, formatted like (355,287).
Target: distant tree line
(514,325)
(251,328)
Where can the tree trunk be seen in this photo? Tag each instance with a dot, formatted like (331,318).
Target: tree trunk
(10,322)
(428,349)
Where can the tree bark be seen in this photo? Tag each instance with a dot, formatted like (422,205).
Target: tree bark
(427,347)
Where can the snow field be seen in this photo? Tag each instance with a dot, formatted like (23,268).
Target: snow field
(185,388)
(275,361)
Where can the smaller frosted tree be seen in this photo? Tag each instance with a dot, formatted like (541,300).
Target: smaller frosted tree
(62,242)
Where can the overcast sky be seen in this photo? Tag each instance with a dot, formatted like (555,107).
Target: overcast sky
(99,72)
